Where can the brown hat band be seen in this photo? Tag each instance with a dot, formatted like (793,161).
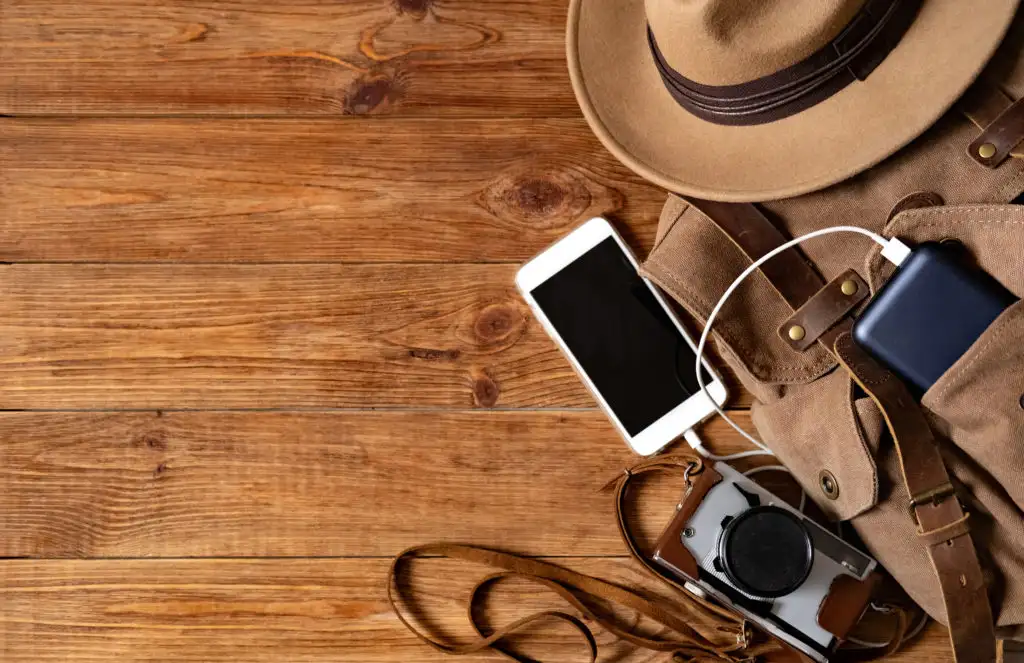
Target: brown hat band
(853,55)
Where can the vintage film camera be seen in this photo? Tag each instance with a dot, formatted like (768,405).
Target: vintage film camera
(736,542)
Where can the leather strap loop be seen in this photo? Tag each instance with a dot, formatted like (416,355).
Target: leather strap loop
(827,308)
(946,533)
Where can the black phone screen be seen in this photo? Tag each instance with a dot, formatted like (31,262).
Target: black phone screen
(620,335)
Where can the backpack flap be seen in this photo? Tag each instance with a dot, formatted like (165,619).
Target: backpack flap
(695,262)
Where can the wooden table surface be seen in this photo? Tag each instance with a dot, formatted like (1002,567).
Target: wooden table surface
(258,330)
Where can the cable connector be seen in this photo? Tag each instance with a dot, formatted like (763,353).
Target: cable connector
(895,251)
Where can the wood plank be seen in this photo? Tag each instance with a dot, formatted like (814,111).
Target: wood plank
(274,336)
(194,484)
(259,191)
(291,57)
(283,610)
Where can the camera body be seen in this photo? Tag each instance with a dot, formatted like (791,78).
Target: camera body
(740,544)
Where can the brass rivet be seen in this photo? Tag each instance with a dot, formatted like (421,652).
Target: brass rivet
(797,333)
(829,485)
(987,150)
(849,287)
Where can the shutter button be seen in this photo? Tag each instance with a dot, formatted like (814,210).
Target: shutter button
(829,485)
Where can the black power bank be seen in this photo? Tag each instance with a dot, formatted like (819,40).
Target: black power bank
(929,314)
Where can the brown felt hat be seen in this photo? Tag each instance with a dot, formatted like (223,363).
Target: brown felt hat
(748,100)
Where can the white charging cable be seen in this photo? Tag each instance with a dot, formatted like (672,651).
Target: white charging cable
(893,250)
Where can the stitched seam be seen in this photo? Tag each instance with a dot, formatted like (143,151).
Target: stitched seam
(905,221)
(978,353)
(747,350)
(959,209)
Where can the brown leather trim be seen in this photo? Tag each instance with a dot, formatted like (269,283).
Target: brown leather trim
(1000,136)
(846,602)
(669,547)
(824,310)
(856,52)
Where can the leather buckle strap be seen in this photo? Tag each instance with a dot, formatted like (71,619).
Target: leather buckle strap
(956,564)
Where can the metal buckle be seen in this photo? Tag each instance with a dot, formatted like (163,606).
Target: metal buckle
(935,495)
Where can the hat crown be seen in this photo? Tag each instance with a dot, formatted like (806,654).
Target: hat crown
(727,42)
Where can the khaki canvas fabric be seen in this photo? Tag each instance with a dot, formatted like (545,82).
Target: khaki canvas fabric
(809,412)
(629,108)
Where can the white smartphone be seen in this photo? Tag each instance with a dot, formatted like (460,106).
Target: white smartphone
(620,335)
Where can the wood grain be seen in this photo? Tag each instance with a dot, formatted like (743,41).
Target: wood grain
(283,610)
(246,484)
(274,336)
(289,57)
(263,191)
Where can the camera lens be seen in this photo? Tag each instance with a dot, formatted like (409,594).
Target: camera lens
(766,551)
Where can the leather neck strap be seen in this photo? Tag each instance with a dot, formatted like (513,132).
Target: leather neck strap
(851,56)
(734,641)
(942,522)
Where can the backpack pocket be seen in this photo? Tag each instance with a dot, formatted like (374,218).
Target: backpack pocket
(979,402)
(977,411)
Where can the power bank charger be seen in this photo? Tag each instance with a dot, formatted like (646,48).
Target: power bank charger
(929,314)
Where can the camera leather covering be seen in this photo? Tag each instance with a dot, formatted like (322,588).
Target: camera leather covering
(668,547)
(847,598)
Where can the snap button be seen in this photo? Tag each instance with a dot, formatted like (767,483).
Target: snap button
(849,288)
(987,151)
(829,485)
(797,333)
(916,200)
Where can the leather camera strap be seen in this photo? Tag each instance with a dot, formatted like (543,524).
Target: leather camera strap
(583,592)
(942,523)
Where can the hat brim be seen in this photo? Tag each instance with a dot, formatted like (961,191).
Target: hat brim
(626,104)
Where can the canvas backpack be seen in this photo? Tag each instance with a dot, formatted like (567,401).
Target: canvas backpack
(935,490)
